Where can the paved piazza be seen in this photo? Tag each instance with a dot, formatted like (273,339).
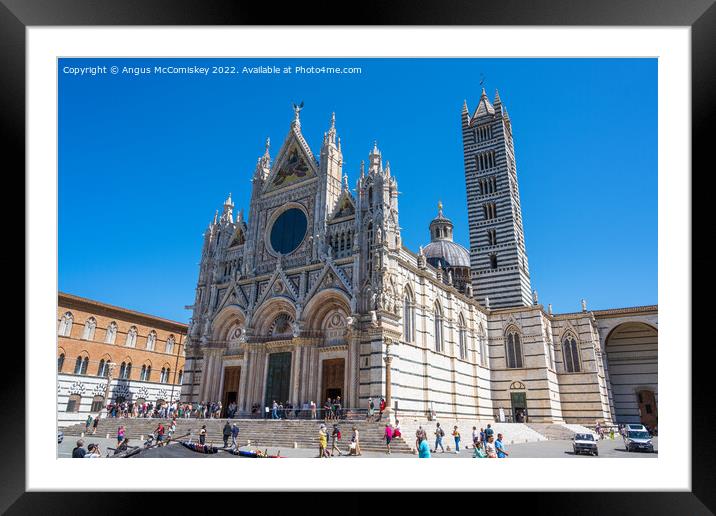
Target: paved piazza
(544,449)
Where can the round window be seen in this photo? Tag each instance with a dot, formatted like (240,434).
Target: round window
(288,231)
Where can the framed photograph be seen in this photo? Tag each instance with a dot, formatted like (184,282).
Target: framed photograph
(437,237)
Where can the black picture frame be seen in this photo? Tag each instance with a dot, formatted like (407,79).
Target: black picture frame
(700,15)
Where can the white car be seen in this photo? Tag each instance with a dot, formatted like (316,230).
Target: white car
(636,427)
(638,440)
(585,443)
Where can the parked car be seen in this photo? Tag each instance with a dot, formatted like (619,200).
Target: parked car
(638,440)
(636,427)
(60,436)
(585,443)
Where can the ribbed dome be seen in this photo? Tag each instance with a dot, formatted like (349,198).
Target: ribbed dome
(448,252)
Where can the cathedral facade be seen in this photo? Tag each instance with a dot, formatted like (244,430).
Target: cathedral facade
(314,295)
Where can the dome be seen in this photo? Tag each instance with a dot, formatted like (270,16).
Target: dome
(449,253)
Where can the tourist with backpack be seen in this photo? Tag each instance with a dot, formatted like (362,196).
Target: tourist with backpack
(226,432)
(234,435)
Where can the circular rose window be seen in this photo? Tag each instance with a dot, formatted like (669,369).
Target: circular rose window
(288,231)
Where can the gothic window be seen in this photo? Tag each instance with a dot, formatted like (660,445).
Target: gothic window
(170,344)
(179,377)
(462,338)
(103,368)
(97,404)
(111,333)
(60,362)
(408,318)
(493,261)
(570,353)
(125,371)
(145,373)
(73,403)
(131,337)
(81,364)
(65,325)
(90,326)
(489,210)
(491,237)
(151,340)
(513,350)
(438,321)
(483,348)
(163,376)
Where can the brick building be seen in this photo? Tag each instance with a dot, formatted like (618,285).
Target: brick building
(141,355)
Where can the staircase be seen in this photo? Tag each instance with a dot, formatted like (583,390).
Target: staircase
(261,432)
(554,431)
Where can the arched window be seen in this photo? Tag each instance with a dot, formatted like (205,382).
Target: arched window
(81,364)
(408,318)
(97,404)
(111,334)
(493,261)
(179,377)
(570,353)
(103,368)
(151,340)
(65,325)
(73,403)
(282,325)
(90,327)
(170,344)
(513,350)
(168,375)
(438,318)
(125,370)
(483,348)
(462,337)
(60,362)
(162,376)
(146,373)
(131,337)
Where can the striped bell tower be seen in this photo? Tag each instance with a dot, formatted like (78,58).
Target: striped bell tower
(498,258)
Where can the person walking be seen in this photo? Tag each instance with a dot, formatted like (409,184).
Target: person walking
(490,448)
(439,434)
(355,443)
(159,431)
(420,436)
(371,409)
(78,452)
(202,435)
(456,436)
(234,436)
(489,432)
(94,424)
(274,410)
(88,422)
(120,434)
(322,442)
(475,437)
(423,447)
(388,436)
(226,432)
(483,439)
(336,436)
(313,409)
(500,448)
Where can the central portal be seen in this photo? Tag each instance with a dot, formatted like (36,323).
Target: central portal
(278,378)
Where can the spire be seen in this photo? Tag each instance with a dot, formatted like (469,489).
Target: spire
(441,228)
(440,208)
(362,168)
(375,162)
(228,202)
(497,97)
(345,182)
(228,214)
(387,168)
(216,217)
(464,107)
(484,107)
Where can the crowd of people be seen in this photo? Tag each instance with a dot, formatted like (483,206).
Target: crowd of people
(335,437)
(162,409)
(485,444)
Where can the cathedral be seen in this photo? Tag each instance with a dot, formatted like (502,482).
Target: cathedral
(313,295)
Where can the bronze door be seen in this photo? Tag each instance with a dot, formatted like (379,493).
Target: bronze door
(333,377)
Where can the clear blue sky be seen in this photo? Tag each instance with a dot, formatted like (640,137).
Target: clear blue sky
(144,161)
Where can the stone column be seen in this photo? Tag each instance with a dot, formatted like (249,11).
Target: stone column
(388,387)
